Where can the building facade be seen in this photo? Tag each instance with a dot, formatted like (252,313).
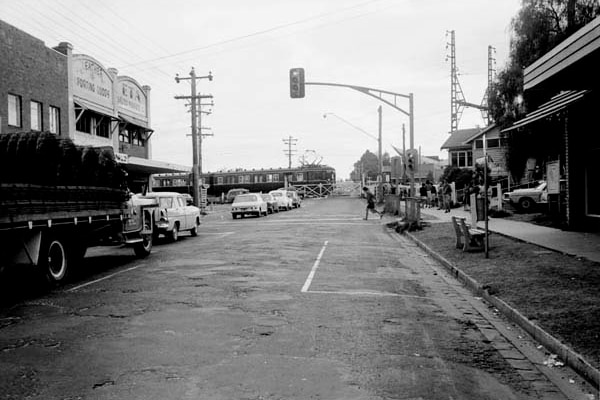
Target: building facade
(562,90)
(75,96)
(34,84)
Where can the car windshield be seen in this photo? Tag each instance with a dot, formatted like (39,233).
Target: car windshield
(541,186)
(245,198)
(166,202)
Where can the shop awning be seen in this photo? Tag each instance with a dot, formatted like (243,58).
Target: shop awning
(145,166)
(86,105)
(556,104)
(133,121)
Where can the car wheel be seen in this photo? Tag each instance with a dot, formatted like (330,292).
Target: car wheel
(174,234)
(234,216)
(194,230)
(526,204)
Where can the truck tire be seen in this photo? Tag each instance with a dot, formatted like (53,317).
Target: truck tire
(143,248)
(54,259)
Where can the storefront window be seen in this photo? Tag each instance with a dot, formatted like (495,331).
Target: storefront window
(124,136)
(84,123)
(36,116)
(103,127)
(54,120)
(14,110)
(138,137)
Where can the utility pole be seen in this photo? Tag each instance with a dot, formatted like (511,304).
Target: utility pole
(290,141)
(403,153)
(195,131)
(380,166)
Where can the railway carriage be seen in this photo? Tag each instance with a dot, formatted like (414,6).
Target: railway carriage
(255,180)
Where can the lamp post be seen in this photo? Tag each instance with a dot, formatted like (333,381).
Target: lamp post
(379,151)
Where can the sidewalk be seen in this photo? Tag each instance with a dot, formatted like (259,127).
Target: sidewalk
(555,301)
(578,244)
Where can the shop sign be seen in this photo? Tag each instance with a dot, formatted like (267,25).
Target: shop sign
(92,82)
(131,99)
(121,158)
(553,177)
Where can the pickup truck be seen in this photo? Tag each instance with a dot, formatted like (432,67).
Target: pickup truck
(526,199)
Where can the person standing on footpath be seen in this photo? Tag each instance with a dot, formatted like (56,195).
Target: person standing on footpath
(447,191)
(423,195)
(370,203)
(434,196)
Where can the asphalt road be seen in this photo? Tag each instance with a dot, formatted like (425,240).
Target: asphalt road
(314,303)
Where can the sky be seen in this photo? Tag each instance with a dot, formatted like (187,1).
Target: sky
(249,47)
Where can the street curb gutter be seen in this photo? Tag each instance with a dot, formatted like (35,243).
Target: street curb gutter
(570,357)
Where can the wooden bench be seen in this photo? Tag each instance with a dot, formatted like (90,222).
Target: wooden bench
(467,238)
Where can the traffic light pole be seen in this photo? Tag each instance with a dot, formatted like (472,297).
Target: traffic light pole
(393,102)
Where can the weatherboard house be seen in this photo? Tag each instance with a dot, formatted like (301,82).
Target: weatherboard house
(562,90)
(75,96)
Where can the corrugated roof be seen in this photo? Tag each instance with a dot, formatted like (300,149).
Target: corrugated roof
(557,103)
(460,138)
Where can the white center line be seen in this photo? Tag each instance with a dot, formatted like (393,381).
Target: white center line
(103,278)
(314,268)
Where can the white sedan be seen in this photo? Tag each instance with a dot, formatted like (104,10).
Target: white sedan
(283,201)
(249,203)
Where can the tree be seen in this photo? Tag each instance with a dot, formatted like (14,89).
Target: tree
(368,165)
(539,26)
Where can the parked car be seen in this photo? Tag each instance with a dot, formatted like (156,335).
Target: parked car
(248,203)
(292,194)
(283,201)
(527,198)
(232,193)
(272,206)
(173,215)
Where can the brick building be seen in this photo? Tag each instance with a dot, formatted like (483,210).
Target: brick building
(34,80)
(75,96)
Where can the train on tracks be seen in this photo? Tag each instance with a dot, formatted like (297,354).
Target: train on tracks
(219,183)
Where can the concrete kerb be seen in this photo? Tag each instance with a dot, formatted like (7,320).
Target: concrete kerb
(570,357)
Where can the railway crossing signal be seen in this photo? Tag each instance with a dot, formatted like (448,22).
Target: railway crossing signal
(297,83)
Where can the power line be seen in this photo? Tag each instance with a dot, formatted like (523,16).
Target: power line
(253,34)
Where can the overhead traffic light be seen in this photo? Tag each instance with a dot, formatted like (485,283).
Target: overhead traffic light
(412,160)
(297,83)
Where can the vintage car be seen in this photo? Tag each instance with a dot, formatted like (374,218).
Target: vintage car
(296,202)
(173,215)
(232,193)
(272,205)
(248,204)
(526,199)
(283,201)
